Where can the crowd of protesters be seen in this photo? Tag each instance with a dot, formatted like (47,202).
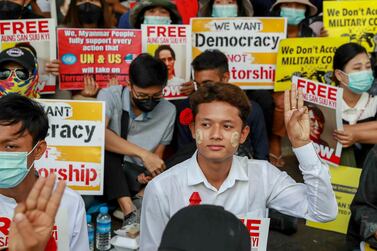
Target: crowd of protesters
(229,148)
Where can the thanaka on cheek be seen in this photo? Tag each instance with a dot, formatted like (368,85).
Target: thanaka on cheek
(198,136)
(235,139)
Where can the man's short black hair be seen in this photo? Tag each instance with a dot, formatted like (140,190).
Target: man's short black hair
(211,60)
(164,47)
(16,108)
(146,71)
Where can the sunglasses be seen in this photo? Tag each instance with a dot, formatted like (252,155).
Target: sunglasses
(21,74)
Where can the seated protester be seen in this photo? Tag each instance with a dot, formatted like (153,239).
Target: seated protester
(212,66)
(213,175)
(353,72)
(23,129)
(25,232)
(88,14)
(205,227)
(150,12)
(16,9)
(151,124)
(226,8)
(363,223)
(19,72)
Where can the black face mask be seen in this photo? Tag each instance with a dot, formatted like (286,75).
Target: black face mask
(10,10)
(146,105)
(89,13)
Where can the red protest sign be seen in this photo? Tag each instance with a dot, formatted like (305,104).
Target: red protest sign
(101,53)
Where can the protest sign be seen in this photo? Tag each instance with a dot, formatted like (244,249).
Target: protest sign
(75,143)
(356,20)
(40,34)
(251,45)
(310,58)
(174,43)
(258,230)
(100,53)
(345,181)
(325,114)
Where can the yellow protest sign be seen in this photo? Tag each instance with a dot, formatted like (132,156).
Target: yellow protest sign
(251,45)
(345,181)
(309,58)
(75,144)
(356,20)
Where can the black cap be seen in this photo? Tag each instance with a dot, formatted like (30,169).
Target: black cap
(22,56)
(205,228)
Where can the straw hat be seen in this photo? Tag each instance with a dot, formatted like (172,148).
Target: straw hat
(312,8)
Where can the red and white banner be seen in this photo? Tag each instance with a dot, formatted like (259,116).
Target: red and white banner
(258,230)
(172,44)
(100,53)
(325,114)
(40,34)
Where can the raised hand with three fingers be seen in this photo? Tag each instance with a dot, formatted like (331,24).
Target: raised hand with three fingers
(32,225)
(296,118)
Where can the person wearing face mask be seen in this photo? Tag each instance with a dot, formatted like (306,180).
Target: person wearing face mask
(19,72)
(353,72)
(226,8)
(151,12)
(88,14)
(16,9)
(23,129)
(150,129)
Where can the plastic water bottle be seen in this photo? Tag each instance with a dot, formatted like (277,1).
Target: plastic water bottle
(90,232)
(103,230)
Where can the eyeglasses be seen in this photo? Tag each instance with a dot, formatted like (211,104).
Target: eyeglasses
(142,96)
(21,74)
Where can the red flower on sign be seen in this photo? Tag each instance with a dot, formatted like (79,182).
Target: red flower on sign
(186,117)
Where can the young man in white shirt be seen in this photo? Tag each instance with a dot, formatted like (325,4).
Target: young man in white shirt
(23,128)
(244,187)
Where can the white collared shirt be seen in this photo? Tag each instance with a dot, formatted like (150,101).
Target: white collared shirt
(70,230)
(251,187)
(366,107)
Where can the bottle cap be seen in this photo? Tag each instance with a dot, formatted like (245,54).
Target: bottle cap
(103,210)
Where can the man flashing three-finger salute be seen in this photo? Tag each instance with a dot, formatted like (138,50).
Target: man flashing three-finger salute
(214,175)
(23,128)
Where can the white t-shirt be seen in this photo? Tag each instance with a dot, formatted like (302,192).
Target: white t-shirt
(365,108)
(70,229)
(251,187)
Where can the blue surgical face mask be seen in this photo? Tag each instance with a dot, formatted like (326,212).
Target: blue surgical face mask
(294,16)
(156,20)
(224,10)
(360,81)
(13,168)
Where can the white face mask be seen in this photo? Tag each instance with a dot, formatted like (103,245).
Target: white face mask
(157,20)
